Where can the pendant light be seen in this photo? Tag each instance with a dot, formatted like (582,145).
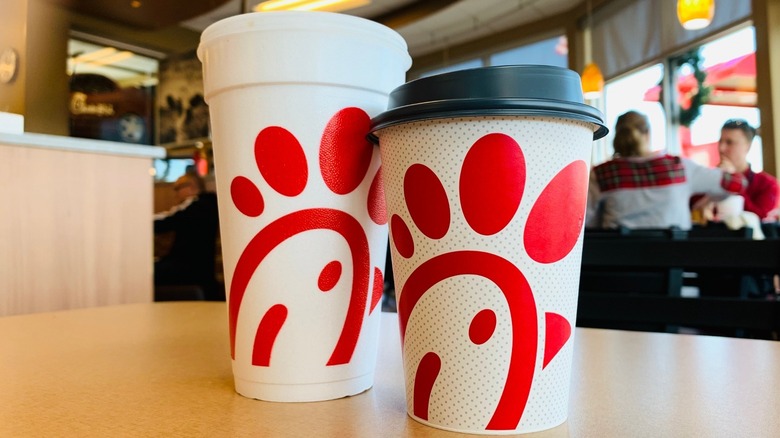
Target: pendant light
(310,5)
(695,14)
(592,79)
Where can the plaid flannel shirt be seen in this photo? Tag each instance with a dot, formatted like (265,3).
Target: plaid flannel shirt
(662,171)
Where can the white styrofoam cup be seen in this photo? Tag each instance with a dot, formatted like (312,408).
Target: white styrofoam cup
(302,219)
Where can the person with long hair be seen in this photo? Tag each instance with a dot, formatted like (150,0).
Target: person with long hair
(640,188)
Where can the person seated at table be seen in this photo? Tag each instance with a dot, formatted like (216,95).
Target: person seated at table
(760,202)
(194,222)
(640,188)
(761,195)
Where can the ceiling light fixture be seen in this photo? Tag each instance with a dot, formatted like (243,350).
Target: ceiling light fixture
(310,5)
(113,59)
(592,79)
(695,14)
(86,57)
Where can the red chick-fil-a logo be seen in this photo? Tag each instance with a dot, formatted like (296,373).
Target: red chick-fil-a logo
(491,187)
(344,160)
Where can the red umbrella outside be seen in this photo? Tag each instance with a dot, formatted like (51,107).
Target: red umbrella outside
(733,83)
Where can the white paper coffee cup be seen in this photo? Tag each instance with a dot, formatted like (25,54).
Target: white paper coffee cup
(730,207)
(486,217)
(302,219)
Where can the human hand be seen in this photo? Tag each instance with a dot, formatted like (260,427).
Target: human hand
(702,203)
(726,165)
(703,210)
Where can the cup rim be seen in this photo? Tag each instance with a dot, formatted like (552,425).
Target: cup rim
(310,21)
(516,90)
(487,108)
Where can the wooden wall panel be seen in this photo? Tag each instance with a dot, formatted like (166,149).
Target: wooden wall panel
(75,230)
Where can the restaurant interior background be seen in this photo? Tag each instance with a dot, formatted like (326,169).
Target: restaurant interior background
(76,230)
(126,71)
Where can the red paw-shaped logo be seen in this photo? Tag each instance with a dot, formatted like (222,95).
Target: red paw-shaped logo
(344,160)
(491,189)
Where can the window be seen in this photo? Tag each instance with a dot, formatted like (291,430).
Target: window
(552,51)
(471,63)
(169,170)
(634,92)
(111,93)
(730,65)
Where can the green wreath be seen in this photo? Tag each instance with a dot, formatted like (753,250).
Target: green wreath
(702,96)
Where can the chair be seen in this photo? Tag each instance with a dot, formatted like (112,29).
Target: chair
(596,278)
(179,292)
(605,278)
(714,282)
(210,288)
(771,230)
(760,318)
(719,230)
(662,309)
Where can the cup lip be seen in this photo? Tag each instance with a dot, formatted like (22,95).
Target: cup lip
(516,90)
(487,108)
(298,20)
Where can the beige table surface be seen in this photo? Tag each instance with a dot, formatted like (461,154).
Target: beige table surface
(162,370)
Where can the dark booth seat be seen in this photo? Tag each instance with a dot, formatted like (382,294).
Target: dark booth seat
(633,280)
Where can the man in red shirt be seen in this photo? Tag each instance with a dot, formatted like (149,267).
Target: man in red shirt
(736,136)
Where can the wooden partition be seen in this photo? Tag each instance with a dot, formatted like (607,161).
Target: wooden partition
(75,228)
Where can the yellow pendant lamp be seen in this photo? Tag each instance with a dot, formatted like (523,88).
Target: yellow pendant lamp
(695,14)
(592,81)
(309,5)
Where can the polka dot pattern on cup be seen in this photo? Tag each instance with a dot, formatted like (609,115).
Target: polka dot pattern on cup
(516,189)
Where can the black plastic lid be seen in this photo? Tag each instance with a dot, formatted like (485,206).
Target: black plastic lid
(524,90)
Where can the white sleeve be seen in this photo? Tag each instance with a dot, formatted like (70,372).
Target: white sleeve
(704,179)
(592,215)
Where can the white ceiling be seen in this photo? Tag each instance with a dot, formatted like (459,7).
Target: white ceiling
(468,20)
(458,23)
(136,70)
(233,7)
(462,21)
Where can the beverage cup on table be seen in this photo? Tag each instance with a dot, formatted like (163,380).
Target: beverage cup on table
(302,218)
(486,175)
(730,207)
